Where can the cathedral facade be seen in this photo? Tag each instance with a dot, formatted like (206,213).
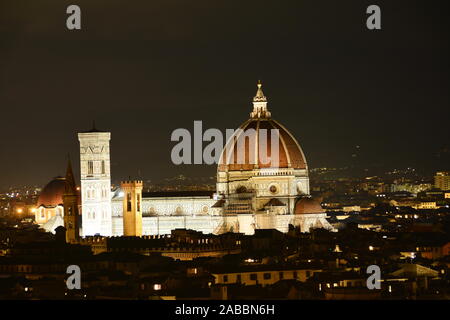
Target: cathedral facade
(257,194)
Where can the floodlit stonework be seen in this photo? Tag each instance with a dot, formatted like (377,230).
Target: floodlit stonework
(250,195)
(95,183)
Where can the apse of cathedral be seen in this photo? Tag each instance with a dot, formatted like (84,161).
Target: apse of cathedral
(249,194)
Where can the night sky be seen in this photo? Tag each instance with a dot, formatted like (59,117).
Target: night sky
(141,69)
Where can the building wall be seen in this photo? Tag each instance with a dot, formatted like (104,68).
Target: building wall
(242,223)
(288,182)
(442,180)
(165,224)
(43,214)
(169,206)
(263,278)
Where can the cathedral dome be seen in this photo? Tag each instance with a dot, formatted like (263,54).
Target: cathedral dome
(52,194)
(290,154)
(308,206)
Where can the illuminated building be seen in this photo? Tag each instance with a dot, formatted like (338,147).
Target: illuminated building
(95,182)
(50,211)
(250,195)
(442,180)
(132,208)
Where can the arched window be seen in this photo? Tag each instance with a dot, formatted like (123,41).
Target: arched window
(90,167)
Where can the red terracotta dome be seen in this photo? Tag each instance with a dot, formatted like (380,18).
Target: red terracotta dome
(52,194)
(290,154)
(308,206)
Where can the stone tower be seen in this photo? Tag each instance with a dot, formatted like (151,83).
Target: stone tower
(95,182)
(71,207)
(132,208)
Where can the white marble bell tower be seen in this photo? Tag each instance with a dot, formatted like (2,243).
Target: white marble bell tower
(95,183)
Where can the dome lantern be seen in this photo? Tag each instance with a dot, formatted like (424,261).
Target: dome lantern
(290,155)
(260,104)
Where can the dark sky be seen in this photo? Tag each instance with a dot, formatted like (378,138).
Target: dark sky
(144,68)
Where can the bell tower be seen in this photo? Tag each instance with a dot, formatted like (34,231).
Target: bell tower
(95,182)
(71,207)
(132,208)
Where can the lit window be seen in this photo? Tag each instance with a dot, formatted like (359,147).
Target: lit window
(156,287)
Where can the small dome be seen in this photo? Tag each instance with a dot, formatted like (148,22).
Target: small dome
(308,206)
(52,194)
